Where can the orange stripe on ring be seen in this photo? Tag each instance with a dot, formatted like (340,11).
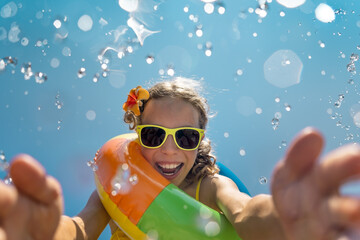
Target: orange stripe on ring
(114,154)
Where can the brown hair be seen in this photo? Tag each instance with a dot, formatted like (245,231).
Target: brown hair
(184,89)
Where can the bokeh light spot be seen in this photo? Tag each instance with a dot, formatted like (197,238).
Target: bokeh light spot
(324,13)
(85,23)
(291,3)
(91,115)
(283,69)
(129,5)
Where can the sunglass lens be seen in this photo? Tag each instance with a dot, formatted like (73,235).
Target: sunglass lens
(187,138)
(152,136)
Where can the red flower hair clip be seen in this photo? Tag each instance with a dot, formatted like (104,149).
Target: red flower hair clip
(134,100)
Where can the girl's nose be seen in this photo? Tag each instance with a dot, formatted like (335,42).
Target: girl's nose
(169,145)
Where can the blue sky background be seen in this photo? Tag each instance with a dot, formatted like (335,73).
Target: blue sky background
(313,69)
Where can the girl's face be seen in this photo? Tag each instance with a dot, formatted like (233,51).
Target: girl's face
(171,162)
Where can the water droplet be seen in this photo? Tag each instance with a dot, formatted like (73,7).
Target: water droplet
(2,65)
(152,235)
(208,52)
(221,10)
(40,77)
(209,8)
(354,57)
(150,59)
(199,32)
(275,123)
(10,61)
(239,72)
(26,70)
(212,229)
(91,115)
(258,110)
(81,73)
(57,23)
(242,152)
(54,62)
(161,71)
(351,68)
(351,81)
(277,99)
(96,77)
(321,44)
(263,180)
(93,165)
(287,107)
(66,51)
(226,134)
(24,41)
(133,179)
(120,183)
(4,165)
(8,180)
(170,71)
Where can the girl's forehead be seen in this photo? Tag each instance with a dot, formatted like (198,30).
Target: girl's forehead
(170,112)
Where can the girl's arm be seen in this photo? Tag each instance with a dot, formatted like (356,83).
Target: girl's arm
(88,224)
(253,218)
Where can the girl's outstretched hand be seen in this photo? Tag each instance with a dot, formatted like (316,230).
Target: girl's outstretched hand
(306,190)
(32,207)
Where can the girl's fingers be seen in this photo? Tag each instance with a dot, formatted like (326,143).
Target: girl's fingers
(339,166)
(341,212)
(30,178)
(8,199)
(299,160)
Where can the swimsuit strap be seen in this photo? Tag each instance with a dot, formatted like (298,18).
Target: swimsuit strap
(198,189)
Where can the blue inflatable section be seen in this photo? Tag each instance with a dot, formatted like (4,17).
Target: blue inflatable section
(228,173)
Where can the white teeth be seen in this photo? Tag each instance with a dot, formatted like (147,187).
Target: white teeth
(169,165)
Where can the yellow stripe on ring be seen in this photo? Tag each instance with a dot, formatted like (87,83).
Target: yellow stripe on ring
(121,219)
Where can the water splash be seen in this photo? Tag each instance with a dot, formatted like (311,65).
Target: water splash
(141,32)
(275,123)
(26,70)
(40,77)
(81,72)
(120,183)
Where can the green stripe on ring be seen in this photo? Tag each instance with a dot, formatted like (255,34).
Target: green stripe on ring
(175,215)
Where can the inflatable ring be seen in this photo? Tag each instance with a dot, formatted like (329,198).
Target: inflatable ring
(144,204)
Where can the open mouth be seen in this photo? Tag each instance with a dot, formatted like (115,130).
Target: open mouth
(169,169)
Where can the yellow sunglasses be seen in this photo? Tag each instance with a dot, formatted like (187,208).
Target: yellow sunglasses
(154,136)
